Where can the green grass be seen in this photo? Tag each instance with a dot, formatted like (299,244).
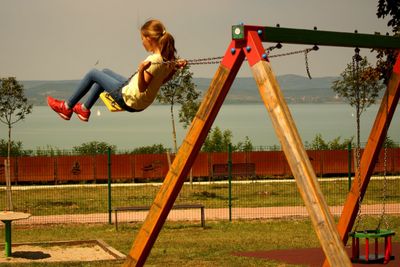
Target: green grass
(190,245)
(93,199)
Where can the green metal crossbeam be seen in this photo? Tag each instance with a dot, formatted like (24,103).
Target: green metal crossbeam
(317,37)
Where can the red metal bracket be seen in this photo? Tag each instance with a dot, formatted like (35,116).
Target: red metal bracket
(233,54)
(396,67)
(254,49)
(250,46)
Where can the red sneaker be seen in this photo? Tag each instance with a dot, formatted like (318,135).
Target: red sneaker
(83,114)
(59,107)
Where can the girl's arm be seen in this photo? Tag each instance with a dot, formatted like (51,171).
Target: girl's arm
(180,64)
(144,77)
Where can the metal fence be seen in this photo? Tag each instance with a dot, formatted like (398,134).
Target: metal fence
(248,196)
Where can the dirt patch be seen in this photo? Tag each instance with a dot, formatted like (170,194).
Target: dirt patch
(64,251)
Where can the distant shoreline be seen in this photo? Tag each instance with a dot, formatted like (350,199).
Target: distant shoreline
(295,88)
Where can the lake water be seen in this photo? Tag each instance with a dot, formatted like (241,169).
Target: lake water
(153,126)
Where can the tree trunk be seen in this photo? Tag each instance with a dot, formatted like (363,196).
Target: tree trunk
(8,172)
(173,129)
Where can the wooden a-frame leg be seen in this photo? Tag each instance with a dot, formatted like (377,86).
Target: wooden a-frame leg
(185,157)
(295,153)
(300,165)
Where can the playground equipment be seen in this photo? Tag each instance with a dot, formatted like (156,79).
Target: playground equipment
(377,233)
(368,235)
(110,103)
(247,43)
(7,217)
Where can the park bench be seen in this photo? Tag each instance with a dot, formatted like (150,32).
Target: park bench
(177,207)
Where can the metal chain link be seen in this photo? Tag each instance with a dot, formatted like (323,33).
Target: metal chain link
(202,61)
(305,51)
(384,189)
(356,73)
(356,76)
(217,60)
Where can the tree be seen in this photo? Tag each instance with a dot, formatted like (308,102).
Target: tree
(335,144)
(318,143)
(386,57)
(188,112)
(179,90)
(154,149)
(217,140)
(389,143)
(93,147)
(13,108)
(244,146)
(13,104)
(16,148)
(359,85)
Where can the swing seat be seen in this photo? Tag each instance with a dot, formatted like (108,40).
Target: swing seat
(374,257)
(110,103)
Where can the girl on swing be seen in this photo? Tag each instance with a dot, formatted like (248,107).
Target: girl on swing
(134,94)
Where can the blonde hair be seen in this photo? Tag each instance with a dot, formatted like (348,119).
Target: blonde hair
(155,30)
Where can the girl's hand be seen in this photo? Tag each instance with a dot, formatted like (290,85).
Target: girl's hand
(180,64)
(144,77)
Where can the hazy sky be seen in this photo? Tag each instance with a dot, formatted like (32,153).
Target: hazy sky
(63,39)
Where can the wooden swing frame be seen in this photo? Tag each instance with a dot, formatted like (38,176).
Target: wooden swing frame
(247,43)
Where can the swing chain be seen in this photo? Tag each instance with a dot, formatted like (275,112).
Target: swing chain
(356,77)
(306,51)
(356,72)
(303,51)
(203,61)
(384,189)
(217,60)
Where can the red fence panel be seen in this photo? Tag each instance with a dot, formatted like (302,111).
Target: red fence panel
(122,167)
(270,163)
(75,168)
(336,162)
(35,169)
(217,158)
(201,166)
(149,166)
(100,165)
(395,160)
(155,166)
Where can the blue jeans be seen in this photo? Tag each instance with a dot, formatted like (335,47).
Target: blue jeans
(97,81)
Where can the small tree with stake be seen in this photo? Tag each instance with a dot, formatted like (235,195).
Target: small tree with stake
(180,90)
(359,85)
(13,108)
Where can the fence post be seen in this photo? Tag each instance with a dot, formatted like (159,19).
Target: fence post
(230,180)
(350,158)
(109,185)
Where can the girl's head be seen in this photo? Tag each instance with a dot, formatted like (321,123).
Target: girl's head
(155,32)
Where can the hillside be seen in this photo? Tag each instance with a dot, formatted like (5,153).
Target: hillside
(296,89)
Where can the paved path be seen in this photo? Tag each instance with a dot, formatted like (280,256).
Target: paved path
(210,214)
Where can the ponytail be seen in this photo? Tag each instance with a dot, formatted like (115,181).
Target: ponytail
(167,44)
(156,30)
